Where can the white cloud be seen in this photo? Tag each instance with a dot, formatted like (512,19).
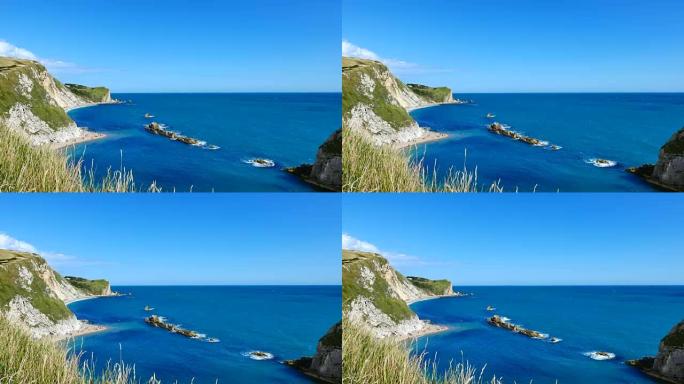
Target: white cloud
(350,49)
(10,50)
(54,258)
(398,259)
(8,242)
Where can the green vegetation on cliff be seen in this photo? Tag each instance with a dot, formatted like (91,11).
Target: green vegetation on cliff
(436,287)
(92,94)
(354,71)
(27,360)
(675,146)
(27,168)
(18,85)
(676,337)
(18,277)
(356,267)
(92,287)
(388,361)
(370,168)
(436,95)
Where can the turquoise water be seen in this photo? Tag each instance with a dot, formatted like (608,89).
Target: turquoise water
(284,127)
(626,128)
(286,321)
(626,321)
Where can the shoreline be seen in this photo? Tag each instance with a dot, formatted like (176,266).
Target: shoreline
(86,329)
(429,136)
(409,302)
(67,110)
(428,329)
(433,105)
(87,136)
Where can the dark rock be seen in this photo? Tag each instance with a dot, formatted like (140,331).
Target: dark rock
(326,171)
(326,364)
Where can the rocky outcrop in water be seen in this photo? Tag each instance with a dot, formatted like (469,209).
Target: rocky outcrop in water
(34,295)
(501,322)
(375,103)
(668,171)
(34,104)
(668,364)
(502,130)
(326,172)
(375,295)
(326,364)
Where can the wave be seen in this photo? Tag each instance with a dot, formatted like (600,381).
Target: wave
(598,355)
(258,355)
(260,163)
(601,163)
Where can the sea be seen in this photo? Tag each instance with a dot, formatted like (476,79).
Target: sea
(285,321)
(627,129)
(627,321)
(286,128)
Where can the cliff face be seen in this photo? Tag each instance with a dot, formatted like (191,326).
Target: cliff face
(375,102)
(376,295)
(669,170)
(33,103)
(326,172)
(326,364)
(33,294)
(669,361)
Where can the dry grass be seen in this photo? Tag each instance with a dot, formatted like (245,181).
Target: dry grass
(388,361)
(24,360)
(26,168)
(369,168)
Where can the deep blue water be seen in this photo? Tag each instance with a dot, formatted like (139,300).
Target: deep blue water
(627,321)
(284,127)
(627,128)
(286,321)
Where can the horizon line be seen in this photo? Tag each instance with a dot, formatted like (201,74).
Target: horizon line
(225,92)
(229,285)
(577,285)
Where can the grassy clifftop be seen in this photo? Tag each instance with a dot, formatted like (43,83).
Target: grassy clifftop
(435,95)
(91,287)
(435,287)
(20,85)
(19,276)
(361,84)
(92,94)
(361,277)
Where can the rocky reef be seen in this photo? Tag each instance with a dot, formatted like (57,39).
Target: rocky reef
(503,130)
(326,364)
(668,172)
(505,323)
(160,129)
(326,171)
(668,364)
(160,322)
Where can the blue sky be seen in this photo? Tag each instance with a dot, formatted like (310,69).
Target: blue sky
(182,45)
(224,238)
(523,239)
(525,45)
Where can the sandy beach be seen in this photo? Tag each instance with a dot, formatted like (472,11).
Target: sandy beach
(87,136)
(433,105)
(86,329)
(428,137)
(435,297)
(89,105)
(428,329)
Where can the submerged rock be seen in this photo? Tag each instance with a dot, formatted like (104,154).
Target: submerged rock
(668,171)
(258,355)
(668,364)
(600,355)
(326,364)
(326,171)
